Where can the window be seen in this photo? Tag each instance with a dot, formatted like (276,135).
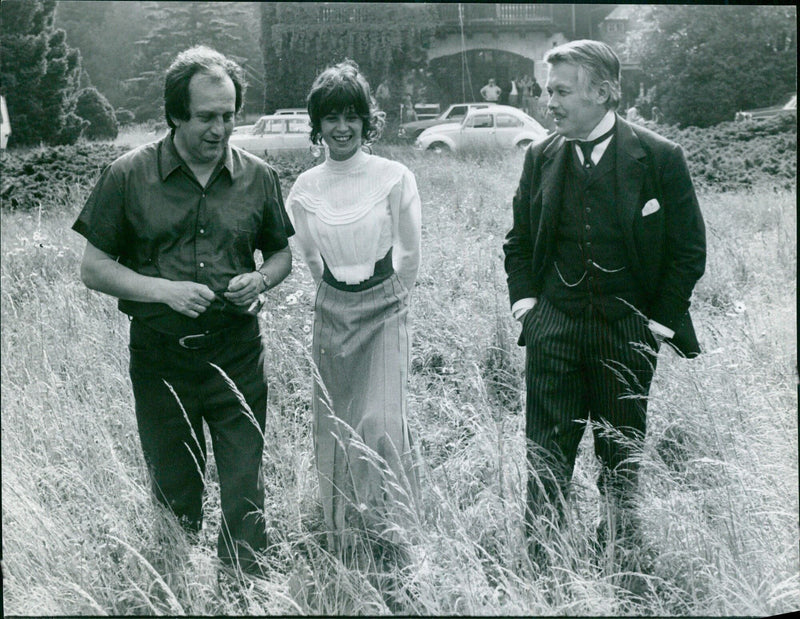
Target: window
(507,120)
(458,111)
(480,121)
(299,125)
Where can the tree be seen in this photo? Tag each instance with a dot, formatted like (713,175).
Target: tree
(39,75)
(300,39)
(106,35)
(93,107)
(708,62)
(176,26)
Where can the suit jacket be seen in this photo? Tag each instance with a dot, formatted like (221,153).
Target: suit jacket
(665,245)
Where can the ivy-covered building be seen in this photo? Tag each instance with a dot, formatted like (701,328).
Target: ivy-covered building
(437,52)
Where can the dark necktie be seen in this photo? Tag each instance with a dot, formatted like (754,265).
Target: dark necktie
(588,145)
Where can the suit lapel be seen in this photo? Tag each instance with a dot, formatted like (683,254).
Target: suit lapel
(553,178)
(630,171)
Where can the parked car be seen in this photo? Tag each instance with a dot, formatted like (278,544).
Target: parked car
(274,134)
(787,105)
(295,111)
(498,126)
(454,113)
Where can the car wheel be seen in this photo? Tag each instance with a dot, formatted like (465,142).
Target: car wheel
(439,147)
(523,144)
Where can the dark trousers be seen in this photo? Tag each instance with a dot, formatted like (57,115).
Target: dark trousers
(172,434)
(579,368)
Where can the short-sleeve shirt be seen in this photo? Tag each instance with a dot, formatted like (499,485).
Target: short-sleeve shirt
(149,211)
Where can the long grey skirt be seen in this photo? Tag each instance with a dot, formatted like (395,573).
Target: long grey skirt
(362,443)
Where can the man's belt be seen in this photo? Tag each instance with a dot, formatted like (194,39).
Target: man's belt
(198,341)
(206,339)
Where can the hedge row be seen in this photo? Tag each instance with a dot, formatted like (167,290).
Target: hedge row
(733,154)
(45,175)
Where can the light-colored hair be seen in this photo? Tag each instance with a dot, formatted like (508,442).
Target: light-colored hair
(596,62)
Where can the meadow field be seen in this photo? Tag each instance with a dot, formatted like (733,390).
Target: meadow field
(719,486)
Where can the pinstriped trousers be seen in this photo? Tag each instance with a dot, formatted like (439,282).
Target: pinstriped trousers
(579,369)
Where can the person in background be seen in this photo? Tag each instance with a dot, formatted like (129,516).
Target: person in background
(606,246)
(505,90)
(171,230)
(357,218)
(656,115)
(537,110)
(513,95)
(632,115)
(408,115)
(524,85)
(384,96)
(491,91)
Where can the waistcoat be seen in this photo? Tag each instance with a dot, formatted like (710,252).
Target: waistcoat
(589,267)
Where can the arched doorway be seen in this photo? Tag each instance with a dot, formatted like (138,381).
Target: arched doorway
(458,78)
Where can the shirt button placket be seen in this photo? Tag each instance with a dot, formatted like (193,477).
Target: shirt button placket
(200,245)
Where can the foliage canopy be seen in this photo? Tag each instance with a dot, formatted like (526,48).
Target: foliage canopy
(176,26)
(106,35)
(708,62)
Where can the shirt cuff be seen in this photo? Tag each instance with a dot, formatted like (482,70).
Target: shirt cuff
(659,329)
(520,307)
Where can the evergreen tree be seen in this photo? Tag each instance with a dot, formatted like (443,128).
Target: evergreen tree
(708,62)
(174,27)
(269,58)
(106,35)
(39,75)
(95,108)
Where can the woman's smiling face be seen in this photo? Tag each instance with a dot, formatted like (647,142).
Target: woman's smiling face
(341,131)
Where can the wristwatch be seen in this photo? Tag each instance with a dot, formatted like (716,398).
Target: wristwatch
(265,279)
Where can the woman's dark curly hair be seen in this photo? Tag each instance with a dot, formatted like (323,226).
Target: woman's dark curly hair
(338,89)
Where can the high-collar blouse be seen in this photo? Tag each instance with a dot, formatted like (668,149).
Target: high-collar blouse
(350,213)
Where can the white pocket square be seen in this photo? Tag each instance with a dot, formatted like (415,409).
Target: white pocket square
(650,207)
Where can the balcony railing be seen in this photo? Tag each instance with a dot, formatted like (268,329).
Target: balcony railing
(495,14)
(449,14)
(342,14)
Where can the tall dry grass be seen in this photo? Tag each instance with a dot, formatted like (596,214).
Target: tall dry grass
(719,467)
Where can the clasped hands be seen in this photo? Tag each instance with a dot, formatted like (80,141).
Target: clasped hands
(192,299)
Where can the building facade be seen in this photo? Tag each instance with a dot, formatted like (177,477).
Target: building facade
(473,42)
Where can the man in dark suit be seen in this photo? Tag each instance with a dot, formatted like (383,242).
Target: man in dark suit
(606,246)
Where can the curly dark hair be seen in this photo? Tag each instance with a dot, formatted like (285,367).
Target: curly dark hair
(198,59)
(338,89)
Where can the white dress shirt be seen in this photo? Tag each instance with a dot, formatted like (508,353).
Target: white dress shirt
(352,212)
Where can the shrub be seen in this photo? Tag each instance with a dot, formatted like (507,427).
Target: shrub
(733,154)
(33,178)
(124,117)
(95,108)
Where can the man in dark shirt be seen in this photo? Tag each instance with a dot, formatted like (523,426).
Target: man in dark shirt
(171,230)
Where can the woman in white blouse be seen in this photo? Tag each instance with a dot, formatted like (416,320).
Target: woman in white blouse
(357,223)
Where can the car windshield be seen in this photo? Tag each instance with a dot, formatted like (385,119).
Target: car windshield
(457,112)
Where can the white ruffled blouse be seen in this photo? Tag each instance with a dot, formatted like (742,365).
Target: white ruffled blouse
(351,212)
